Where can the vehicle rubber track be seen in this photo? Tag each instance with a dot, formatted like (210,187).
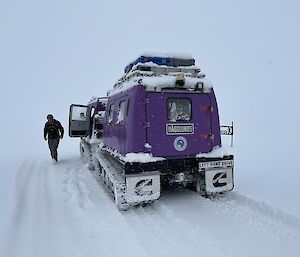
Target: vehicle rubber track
(86,154)
(109,173)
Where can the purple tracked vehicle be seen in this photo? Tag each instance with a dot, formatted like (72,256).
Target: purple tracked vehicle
(158,126)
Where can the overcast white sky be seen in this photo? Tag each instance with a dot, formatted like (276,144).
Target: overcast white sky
(54,53)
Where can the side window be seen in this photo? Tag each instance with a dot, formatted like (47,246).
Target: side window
(79,113)
(121,112)
(110,113)
(92,112)
(127,109)
(179,109)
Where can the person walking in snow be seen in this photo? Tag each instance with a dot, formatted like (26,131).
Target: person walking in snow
(53,132)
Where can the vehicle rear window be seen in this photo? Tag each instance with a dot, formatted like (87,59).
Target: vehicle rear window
(179,109)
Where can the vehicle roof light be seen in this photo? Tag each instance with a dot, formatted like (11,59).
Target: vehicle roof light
(180,81)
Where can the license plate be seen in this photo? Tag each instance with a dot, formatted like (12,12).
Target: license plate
(180,129)
(216,164)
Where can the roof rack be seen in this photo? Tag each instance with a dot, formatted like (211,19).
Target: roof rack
(166,70)
(167,61)
(160,68)
(156,71)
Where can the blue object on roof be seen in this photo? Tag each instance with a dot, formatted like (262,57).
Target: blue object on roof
(161,61)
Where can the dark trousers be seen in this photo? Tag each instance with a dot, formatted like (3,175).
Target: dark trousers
(53,145)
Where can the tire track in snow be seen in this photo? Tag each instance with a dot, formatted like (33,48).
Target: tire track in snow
(62,211)
(269,225)
(75,189)
(41,218)
(185,224)
(169,234)
(22,182)
(22,211)
(153,238)
(234,226)
(103,229)
(233,198)
(188,234)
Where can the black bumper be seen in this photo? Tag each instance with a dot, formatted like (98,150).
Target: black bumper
(170,166)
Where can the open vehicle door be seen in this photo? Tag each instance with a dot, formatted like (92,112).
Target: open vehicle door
(79,120)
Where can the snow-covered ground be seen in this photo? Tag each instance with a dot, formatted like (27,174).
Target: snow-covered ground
(61,210)
(55,53)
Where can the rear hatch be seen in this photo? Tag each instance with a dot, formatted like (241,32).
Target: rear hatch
(178,124)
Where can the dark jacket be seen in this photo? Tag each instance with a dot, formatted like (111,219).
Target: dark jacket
(52,130)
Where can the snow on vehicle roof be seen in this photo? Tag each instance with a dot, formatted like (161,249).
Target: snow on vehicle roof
(161,60)
(183,56)
(190,68)
(160,82)
(156,72)
(169,55)
(98,99)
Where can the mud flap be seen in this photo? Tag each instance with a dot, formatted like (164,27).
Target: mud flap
(145,188)
(218,180)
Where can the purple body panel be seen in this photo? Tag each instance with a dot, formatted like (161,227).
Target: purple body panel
(129,135)
(147,119)
(203,119)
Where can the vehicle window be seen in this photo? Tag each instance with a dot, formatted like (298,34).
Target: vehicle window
(79,113)
(121,112)
(179,109)
(127,108)
(110,113)
(92,112)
